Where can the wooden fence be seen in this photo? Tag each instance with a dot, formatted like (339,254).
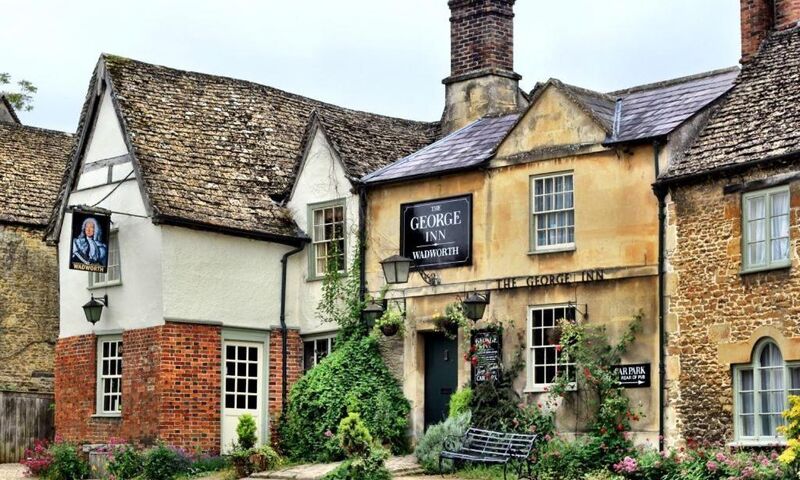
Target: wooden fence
(24,417)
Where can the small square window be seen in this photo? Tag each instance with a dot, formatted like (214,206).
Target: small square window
(552,212)
(328,239)
(113,275)
(765,229)
(545,359)
(315,350)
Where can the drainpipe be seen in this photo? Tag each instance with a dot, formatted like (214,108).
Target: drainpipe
(661,194)
(362,239)
(284,328)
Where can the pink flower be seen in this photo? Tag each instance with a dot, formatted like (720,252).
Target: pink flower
(712,466)
(328,433)
(627,465)
(720,457)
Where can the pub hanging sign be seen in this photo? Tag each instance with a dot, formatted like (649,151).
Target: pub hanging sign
(437,233)
(89,241)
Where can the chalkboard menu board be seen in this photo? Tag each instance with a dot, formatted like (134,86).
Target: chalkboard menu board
(487,356)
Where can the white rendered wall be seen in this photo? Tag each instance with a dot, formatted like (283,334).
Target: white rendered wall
(321,179)
(210,277)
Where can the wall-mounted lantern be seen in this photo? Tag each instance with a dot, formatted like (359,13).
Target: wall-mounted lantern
(475,305)
(94,308)
(397,268)
(371,313)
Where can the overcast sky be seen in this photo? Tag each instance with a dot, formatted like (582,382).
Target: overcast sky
(384,56)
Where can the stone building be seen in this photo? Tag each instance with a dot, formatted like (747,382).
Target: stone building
(733,232)
(32,161)
(228,200)
(540,199)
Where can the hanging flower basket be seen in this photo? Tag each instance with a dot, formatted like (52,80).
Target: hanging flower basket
(390,330)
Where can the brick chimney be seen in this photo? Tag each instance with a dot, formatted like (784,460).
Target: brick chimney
(759,17)
(482,80)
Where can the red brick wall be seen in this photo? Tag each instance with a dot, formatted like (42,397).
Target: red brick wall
(170,388)
(481,35)
(758,17)
(294,370)
(190,385)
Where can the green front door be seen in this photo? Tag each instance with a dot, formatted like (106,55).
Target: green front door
(441,376)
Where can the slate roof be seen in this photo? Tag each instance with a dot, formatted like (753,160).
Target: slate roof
(633,114)
(759,119)
(653,110)
(221,152)
(465,148)
(32,162)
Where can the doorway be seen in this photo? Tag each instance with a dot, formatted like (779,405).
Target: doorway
(242,389)
(441,376)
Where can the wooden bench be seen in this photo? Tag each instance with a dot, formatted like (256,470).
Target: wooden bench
(487,446)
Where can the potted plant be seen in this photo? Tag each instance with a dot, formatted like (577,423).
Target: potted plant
(452,320)
(391,322)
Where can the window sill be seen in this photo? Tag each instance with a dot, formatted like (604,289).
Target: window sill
(109,416)
(97,286)
(772,442)
(768,268)
(547,388)
(569,248)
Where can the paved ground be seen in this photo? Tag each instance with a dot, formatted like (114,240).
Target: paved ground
(11,471)
(401,467)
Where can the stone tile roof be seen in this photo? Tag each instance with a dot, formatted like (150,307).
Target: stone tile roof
(627,115)
(32,162)
(759,119)
(222,152)
(465,148)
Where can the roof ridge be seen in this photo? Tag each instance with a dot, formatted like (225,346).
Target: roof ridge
(605,96)
(673,81)
(120,59)
(22,126)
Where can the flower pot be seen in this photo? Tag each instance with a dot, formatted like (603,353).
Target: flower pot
(451,327)
(390,330)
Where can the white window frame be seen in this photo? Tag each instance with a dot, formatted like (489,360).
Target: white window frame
(769,264)
(102,280)
(755,366)
(312,256)
(530,355)
(535,214)
(330,340)
(100,376)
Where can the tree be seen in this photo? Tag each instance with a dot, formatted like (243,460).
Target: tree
(22,98)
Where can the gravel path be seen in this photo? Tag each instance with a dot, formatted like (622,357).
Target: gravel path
(11,471)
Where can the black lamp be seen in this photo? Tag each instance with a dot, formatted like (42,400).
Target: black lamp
(475,305)
(396,269)
(371,313)
(94,308)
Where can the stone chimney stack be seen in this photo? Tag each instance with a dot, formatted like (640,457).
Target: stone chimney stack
(482,80)
(759,17)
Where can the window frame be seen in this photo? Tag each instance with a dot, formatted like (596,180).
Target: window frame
(530,386)
(755,366)
(312,253)
(768,194)
(331,340)
(99,377)
(113,238)
(533,246)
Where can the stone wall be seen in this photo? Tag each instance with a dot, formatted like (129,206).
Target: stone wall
(716,315)
(28,310)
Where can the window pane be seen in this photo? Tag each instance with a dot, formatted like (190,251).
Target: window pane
(794,378)
(748,426)
(747,380)
(756,208)
(780,203)
(757,253)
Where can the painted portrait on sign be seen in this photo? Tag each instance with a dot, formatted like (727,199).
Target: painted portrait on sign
(89,248)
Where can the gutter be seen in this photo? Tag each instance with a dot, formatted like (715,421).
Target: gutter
(661,194)
(284,328)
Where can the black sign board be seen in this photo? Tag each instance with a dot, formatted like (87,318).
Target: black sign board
(437,233)
(486,355)
(89,241)
(633,376)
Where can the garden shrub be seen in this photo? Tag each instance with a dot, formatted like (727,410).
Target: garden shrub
(791,431)
(354,437)
(246,431)
(460,402)
(431,444)
(365,459)
(353,374)
(569,460)
(67,464)
(164,463)
(37,460)
(125,463)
